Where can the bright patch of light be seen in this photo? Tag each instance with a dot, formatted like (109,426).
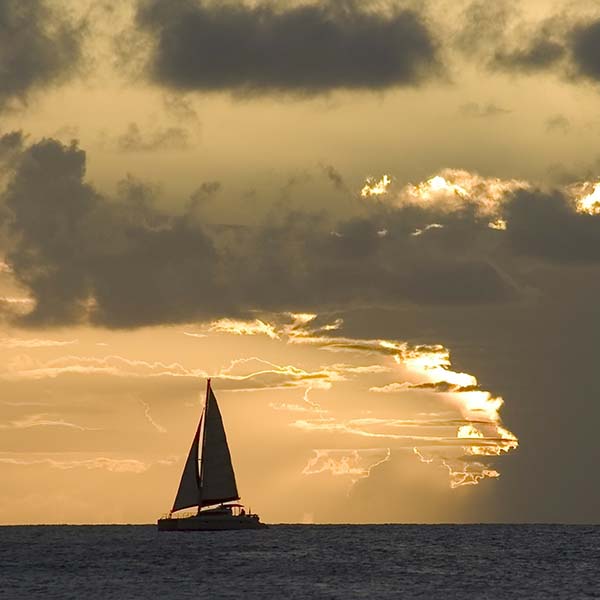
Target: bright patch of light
(590,203)
(376,188)
(452,189)
(419,232)
(244,327)
(499,224)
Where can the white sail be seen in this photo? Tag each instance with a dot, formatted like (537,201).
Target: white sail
(188,494)
(217,479)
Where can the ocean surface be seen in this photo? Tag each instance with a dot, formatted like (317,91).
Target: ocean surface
(302,561)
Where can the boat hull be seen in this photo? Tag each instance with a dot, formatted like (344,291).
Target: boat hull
(211,523)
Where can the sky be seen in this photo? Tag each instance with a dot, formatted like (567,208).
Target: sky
(375,225)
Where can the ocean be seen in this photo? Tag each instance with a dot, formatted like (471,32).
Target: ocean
(301,561)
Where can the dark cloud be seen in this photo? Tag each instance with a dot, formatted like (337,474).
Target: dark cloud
(307,49)
(568,43)
(335,177)
(537,55)
(496,33)
(39,45)
(584,42)
(124,263)
(545,225)
(11,145)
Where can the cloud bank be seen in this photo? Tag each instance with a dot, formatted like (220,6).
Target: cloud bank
(454,239)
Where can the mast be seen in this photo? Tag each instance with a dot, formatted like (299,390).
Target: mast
(202,445)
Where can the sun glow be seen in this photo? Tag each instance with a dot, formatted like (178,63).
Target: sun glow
(451,189)
(354,464)
(498,224)
(373,187)
(588,203)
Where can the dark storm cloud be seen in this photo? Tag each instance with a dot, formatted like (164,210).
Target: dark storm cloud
(39,46)
(584,42)
(545,225)
(72,246)
(124,263)
(203,45)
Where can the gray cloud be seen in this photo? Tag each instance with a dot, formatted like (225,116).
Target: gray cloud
(483,24)
(536,55)
(334,177)
(125,263)
(567,43)
(584,42)
(545,225)
(306,49)
(39,46)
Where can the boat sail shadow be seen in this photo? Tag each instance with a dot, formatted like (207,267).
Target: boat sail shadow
(208,481)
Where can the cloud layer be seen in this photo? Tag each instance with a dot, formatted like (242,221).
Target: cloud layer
(124,263)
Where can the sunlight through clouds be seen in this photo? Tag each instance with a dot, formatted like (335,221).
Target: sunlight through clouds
(373,187)
(448,191)
(587,197)
(470,426)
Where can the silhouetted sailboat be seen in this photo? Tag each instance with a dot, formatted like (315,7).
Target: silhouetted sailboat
(208,481)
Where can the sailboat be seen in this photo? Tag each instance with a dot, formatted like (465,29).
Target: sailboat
(208,481)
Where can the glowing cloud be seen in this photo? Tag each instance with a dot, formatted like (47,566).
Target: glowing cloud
(383,388)
(373,187)
(42,420)
(419,232)
(587,197)
(473,429)
(12,342)
(452,189)
(354,464)
(238,327)
(498,224)
(114,465)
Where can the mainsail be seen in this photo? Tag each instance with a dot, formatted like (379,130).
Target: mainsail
(215,481)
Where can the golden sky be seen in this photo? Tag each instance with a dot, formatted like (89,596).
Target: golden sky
(373,224)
